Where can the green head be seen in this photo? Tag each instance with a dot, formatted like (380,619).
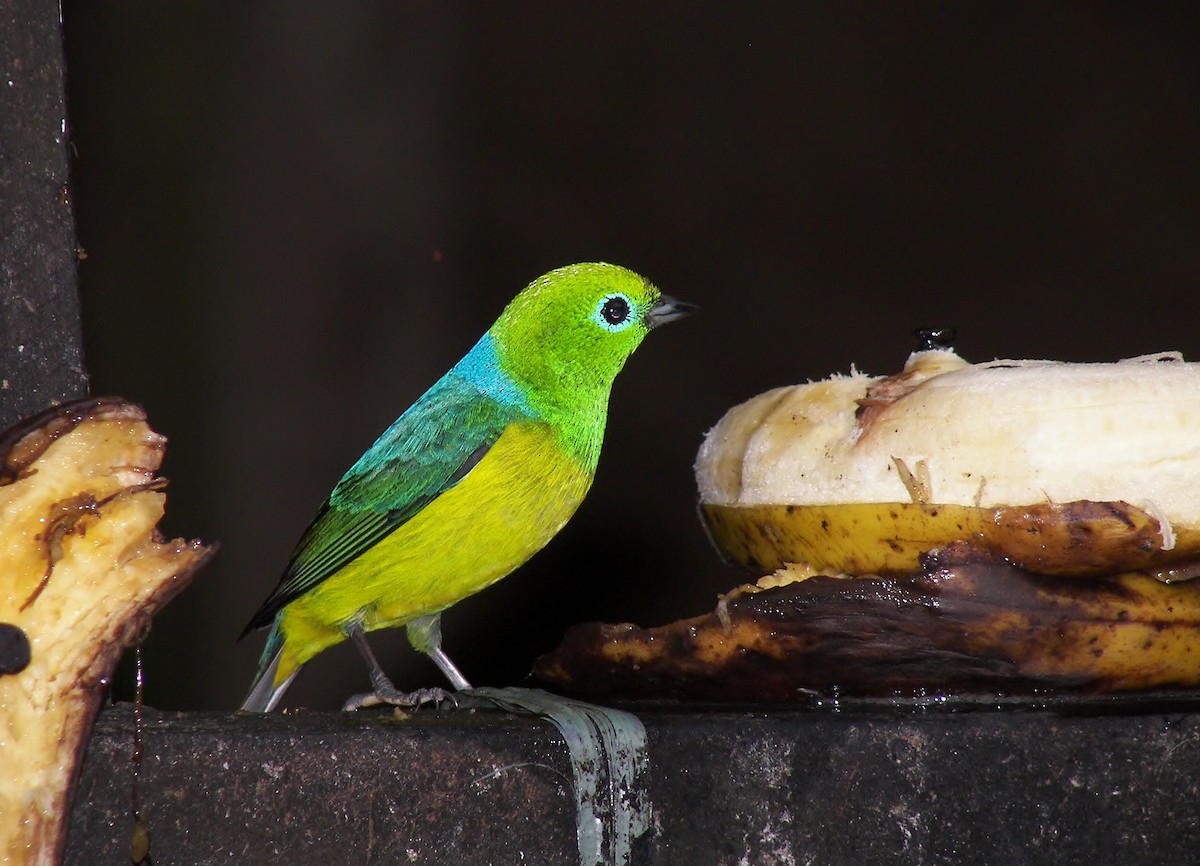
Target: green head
(567,335)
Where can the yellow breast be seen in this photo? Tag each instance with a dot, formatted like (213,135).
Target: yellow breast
(505,510)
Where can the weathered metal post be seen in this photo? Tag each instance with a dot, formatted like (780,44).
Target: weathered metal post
(41,355)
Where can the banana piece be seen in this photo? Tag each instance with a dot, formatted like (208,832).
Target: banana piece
(965,624)
(82,571)
(1017,455)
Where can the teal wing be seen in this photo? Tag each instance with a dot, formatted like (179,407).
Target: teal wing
(428,449)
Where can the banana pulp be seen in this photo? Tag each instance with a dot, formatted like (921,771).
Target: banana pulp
(82,571)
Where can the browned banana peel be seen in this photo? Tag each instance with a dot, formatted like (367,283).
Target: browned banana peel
(1069,494)
(965,623)
(82,571)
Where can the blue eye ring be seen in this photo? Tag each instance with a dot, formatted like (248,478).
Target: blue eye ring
(614,312)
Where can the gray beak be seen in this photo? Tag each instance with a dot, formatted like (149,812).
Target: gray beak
(668,310)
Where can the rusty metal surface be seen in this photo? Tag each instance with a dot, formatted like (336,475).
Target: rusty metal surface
(855,786)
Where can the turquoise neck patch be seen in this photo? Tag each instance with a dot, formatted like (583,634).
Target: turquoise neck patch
(481,367)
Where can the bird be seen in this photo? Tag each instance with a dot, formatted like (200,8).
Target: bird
(465,486)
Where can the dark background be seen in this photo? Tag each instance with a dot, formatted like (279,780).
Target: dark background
(298,215)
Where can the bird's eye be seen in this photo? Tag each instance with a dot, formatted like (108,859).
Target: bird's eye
(615,310)
(614,313)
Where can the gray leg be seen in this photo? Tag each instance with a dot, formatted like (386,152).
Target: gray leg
(425,634)
(384,692)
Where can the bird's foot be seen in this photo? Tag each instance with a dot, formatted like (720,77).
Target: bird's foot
(394,697)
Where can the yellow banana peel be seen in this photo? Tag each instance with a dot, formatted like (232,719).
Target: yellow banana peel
(1075,538)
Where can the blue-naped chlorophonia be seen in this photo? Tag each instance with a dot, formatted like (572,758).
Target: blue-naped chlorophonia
(473,479)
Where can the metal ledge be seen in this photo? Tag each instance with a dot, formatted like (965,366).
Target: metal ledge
(859,786)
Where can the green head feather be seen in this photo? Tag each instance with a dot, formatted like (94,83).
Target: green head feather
(567,335)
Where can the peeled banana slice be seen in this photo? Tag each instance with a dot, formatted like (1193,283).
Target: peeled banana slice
(1063,468)
(82,571)
(1005,433)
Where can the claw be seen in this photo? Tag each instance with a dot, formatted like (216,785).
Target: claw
(408,700)
(383,692)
